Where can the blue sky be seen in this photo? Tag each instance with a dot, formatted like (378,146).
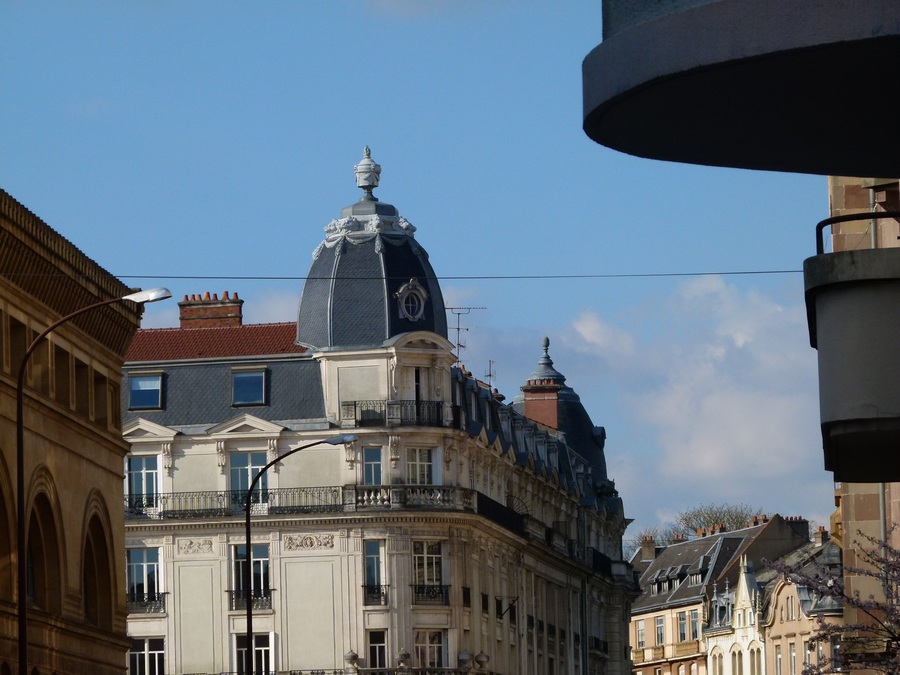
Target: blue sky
(189,144)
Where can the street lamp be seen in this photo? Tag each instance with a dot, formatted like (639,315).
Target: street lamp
(139,297)
(247,576)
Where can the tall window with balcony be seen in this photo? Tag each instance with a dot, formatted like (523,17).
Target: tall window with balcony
(639,630)
(431,646)
(244,467)
(419,467)
(375,591)
(377,648)
(695,624)
(372,466)
(259,593)
(147,657)
(142,484)
(428,585)
(262,654)
(142,573)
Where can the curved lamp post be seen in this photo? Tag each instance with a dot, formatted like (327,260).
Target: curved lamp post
(249,664)
(140,297)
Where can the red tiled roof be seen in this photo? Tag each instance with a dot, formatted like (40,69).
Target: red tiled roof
(165,344)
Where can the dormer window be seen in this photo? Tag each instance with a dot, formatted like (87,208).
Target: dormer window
(248,387)
(145,391)
(411,299)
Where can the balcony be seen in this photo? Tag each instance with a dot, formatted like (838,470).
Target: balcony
(687,648)
(146,603)
(375,594)
(261,599)
(175,505)
(430,594)
(441,497)
(392,414)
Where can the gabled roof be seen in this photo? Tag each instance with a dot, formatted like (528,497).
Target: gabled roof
(174,344)
(715,557)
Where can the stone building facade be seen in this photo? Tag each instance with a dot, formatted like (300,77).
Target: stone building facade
(456,531)
(73,452)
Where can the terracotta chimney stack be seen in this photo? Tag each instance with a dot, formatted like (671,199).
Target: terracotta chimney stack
(208,311)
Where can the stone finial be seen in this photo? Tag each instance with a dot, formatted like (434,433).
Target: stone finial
(368,174)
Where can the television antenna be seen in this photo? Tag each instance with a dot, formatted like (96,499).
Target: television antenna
(459,312)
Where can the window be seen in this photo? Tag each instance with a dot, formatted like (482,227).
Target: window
(790,608)
(682,627)
(259,592)
(419,467)
(695,624)
(248,387)
(778,670)
(143,482)
(244,467)
(147,657)
(142,572)
(377,648)
(485,604)
(467,597)
(428,585)
(430,648)
(640,633)
(695,579)
(375,593)
(372,466)
(792,655)
(262,657)
(411,299)
(660,631)
(145,392)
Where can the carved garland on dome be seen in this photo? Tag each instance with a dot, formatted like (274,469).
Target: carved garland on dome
(359,230)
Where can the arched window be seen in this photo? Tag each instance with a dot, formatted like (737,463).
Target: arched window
(43,564)
(97,581)
(6,568)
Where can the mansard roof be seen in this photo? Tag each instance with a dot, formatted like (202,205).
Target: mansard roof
(177,344)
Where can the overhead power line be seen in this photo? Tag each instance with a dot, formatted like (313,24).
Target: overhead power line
(473,277)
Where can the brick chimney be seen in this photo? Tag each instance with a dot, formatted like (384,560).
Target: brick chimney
(208,311)
(820,536)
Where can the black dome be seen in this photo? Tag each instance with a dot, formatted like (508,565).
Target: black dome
(370,280)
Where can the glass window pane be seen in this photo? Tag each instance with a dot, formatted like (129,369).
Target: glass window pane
(249,387)
(145,392)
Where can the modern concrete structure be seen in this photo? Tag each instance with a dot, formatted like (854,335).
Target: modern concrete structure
(73,452)
(756,84)
(458,533)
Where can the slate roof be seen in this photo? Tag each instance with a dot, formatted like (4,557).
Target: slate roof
(715,557)
(175,344)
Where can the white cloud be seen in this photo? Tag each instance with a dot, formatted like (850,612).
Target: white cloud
(719,397)
(603,338)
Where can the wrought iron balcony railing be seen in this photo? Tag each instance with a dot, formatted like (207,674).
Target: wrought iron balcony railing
(260,598)
(430,594)
(146,603)
(392,414)
(375,594)
(209,504)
